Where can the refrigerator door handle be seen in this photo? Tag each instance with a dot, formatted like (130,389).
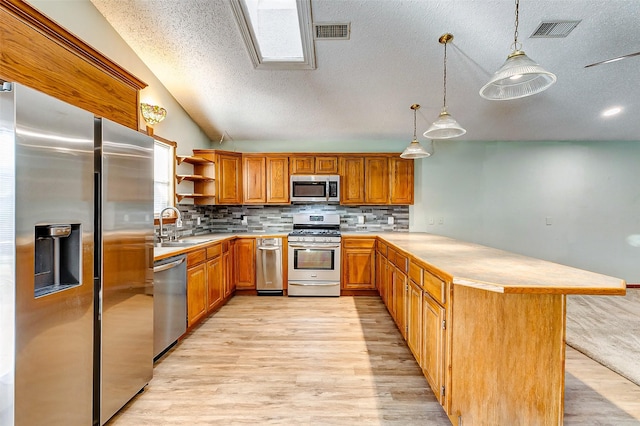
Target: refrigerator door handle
(169,265)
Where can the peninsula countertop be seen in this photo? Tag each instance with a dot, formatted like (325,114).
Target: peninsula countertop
(482,267)
(467,264)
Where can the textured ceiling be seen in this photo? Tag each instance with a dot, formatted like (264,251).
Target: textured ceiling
(363,87)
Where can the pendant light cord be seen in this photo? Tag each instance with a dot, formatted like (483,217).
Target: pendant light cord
(444,100)
(515,34)
(414,123)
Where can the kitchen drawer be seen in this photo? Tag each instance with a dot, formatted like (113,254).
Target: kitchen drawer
(195,257)
(214,251)
(391,255)
(435,287)
(402,262)
(348,242)
(381,248)
(416,273)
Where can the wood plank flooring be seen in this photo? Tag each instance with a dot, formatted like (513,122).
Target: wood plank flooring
(324,361)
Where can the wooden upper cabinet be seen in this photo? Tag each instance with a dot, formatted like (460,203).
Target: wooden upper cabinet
(314,164)
(376,189)
(229,178)
(401,181)
(326,165)
(376,179)
(39,53)
(352,180)
(254,184)
(303,165)
(277,180)
(266,179)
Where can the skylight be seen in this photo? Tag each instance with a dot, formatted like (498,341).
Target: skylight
(277,33)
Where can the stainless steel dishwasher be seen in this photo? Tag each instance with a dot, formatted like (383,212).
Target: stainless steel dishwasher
(269,266)
(169,302)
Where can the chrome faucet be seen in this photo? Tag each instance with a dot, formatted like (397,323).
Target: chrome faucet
(178,221)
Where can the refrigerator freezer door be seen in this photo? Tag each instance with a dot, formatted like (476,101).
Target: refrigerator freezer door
(54,185)
(127,264)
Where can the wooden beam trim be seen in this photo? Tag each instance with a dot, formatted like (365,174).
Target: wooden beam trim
(52,30)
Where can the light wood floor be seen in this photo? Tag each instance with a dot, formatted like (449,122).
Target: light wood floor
(278,360)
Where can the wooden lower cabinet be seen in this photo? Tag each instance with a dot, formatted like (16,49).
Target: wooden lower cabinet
(245,263)
(227,268)
(416,299)
(215,283)
(414,320)
(400,288)
(358,263)
(389,288)
(433,344)
(196,293)
(207,280)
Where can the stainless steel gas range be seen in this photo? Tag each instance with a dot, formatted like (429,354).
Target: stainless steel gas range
(314,255)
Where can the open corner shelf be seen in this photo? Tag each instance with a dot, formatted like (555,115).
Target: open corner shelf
(180,197)
(194,178)
(192,160)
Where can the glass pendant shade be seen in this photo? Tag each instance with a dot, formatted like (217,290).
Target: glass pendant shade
(518,77)
(445,127)
(415,150)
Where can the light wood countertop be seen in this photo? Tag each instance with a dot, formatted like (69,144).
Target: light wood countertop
(462,263)
(490,269)
(202,241)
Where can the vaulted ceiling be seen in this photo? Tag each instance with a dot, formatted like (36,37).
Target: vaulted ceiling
(363,87)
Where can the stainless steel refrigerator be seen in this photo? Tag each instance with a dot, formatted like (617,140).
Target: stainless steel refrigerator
(76,258)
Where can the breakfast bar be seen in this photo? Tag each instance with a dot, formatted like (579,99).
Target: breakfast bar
(505,357)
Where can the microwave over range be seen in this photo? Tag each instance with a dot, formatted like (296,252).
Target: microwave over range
(315,188)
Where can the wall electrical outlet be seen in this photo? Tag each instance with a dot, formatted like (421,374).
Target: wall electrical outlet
(390,220)
(431,220)
(548,220)
(244,220)
(441,220)
(198,221)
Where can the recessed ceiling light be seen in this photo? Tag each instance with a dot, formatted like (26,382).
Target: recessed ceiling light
(611,111)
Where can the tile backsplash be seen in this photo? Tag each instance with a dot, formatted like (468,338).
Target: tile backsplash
(237,219)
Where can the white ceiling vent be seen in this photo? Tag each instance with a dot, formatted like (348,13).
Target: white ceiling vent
(554,29)
(331,31)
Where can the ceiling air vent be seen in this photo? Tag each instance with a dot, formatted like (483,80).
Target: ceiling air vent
(331,31)
(554,29)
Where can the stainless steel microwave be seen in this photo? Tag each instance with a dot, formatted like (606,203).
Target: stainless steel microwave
(315,188)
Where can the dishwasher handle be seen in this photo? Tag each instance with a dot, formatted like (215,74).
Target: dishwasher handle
(269,248)
(169,265)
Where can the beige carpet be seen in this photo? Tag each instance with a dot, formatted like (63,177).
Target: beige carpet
(607,329)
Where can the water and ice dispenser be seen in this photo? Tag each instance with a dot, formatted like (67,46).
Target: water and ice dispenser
(58,256)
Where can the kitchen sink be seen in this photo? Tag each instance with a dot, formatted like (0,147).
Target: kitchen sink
(178,243)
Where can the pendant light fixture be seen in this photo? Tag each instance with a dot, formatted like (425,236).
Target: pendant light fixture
(445,127)
(415,150)
(519,76)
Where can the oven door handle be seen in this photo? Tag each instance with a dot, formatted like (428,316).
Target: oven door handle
(314,283)
(314,245)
